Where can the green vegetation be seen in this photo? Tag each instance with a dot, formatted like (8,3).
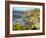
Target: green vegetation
(32,21)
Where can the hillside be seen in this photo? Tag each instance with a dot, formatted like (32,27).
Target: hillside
(26,20)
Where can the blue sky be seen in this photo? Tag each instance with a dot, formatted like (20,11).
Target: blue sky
(22,8)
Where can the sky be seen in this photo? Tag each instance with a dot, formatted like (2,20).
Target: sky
(22,8)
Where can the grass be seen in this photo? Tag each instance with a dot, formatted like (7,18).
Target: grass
(20,27)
